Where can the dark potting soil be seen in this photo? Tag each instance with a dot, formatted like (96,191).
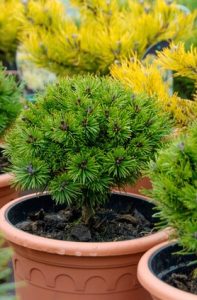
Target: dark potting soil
(106,225)
(3,162)
(182,281)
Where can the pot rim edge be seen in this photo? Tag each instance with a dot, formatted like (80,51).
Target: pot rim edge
(19,237)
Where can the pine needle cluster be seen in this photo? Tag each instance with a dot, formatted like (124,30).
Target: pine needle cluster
(150,78)
(174,179)
(11,11)
(106,32)
(84,136)
(182,62)
(10,106)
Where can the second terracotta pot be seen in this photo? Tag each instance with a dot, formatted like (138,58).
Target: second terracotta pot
(7,193)
(158,263)
(138,187)
(62,270)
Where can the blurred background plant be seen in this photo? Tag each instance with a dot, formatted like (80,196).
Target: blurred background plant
(6,288)
(35,79)
(97,33)
(191,4)
(10,96)
(104,33)
(11,12)
(149,78)
(105,43)
(184,85)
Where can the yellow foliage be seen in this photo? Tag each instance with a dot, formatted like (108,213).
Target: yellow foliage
(141,78)
(43,12)
(148,78)
(10,13)
(107,31)
(178,60)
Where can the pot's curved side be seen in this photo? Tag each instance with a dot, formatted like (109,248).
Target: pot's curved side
(7,193)
(64,270)
(142,183)
(50,276)
(156,287)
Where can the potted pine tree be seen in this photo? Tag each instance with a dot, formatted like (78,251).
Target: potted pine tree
(169,271)
(10,106)
(119,26)
(77,240)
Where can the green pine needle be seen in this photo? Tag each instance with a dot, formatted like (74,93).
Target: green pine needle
(10,106)
(174,179)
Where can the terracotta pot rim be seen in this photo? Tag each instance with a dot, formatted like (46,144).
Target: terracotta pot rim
(6,179)
(28,240)
(156,286)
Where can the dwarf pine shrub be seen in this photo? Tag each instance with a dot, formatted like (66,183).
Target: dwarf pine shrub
(174,179)
(84,136)
(10,106)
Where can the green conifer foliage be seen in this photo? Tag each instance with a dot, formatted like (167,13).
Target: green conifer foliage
(174,178)
(10,106)
(84,136)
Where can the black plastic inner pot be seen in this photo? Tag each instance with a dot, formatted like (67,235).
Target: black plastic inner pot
(166,261)
(18,212)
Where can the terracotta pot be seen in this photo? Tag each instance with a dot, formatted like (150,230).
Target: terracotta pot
(142,183)
(7,193)
(62,270)
(159,262)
